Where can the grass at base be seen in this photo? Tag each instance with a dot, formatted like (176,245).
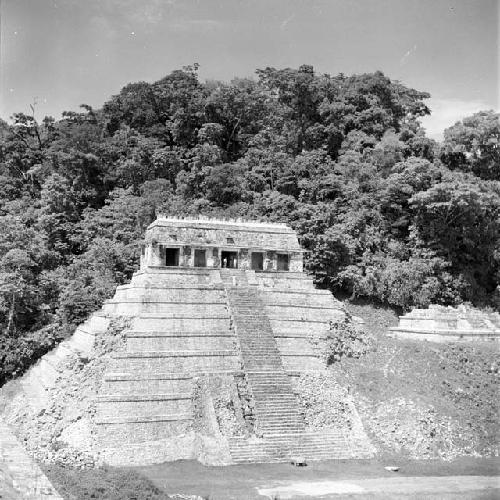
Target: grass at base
(189,477)
(240,482)
(106,483)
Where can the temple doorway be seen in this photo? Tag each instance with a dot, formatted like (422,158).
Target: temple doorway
(229,259)
(283,262)
(171,257)
(257,261)
(200,258)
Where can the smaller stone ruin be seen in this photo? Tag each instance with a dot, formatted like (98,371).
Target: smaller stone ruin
(448,324)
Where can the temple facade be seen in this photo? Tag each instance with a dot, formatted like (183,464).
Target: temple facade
(215,244)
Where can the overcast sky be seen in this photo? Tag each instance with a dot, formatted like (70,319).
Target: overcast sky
(63,53)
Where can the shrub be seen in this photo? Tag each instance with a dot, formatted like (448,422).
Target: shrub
(18,353)
(345,339)
(106,483)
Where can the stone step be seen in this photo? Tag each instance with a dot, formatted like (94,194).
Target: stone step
(258,353)
(273,395)
(204,343)
(179,314)
(142,397)
(276,398)
(270,410)
(280,423)
(320,445)
(129,419)
(142,406)
(258,347)
(151,386)
(292,424)
(163,333)
(293,446)
(269,429)
(182,361)
(263,387)
(181,324)
(171,354)
(284,416)
(127,430)
(145,376)
(258,364)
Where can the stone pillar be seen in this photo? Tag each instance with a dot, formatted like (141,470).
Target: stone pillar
(243,259)
(270,261)
(187,257)
(212,257)
(155,255)
(142,263)
(296,262)
(215,257)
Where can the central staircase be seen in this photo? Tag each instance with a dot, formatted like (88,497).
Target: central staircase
(276,411)
(280,430)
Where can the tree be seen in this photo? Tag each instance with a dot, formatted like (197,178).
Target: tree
(473,145)
(459,219)
(17,290)
(239,109)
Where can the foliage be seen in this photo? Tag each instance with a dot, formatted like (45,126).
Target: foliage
(106,483)
(18,353)
(385,213)
(346,339)
(473,145)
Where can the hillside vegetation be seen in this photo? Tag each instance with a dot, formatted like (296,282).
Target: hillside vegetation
(387,214)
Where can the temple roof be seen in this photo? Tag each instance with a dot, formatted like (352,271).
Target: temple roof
(223,233)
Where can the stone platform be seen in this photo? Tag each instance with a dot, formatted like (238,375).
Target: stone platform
(448,324)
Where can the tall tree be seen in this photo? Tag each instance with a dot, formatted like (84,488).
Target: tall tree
(473,145)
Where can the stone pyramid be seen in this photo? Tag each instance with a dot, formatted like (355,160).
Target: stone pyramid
(217,327)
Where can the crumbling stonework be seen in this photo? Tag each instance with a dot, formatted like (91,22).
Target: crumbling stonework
(324,402)
(62,432)
(417,431)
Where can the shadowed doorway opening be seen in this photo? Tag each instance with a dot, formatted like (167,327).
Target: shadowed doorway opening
(229,259)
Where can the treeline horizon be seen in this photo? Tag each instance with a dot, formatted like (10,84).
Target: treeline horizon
(386,213)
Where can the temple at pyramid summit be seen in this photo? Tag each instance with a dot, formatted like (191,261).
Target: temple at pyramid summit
(218,348)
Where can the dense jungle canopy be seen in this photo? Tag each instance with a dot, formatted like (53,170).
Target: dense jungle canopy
(386,213)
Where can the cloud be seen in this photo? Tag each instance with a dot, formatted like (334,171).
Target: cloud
(188,25)
(403,60)
(446,112)
(103,27)
(138,13)
(285,23)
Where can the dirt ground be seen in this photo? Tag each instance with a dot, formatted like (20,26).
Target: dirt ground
(416,478)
